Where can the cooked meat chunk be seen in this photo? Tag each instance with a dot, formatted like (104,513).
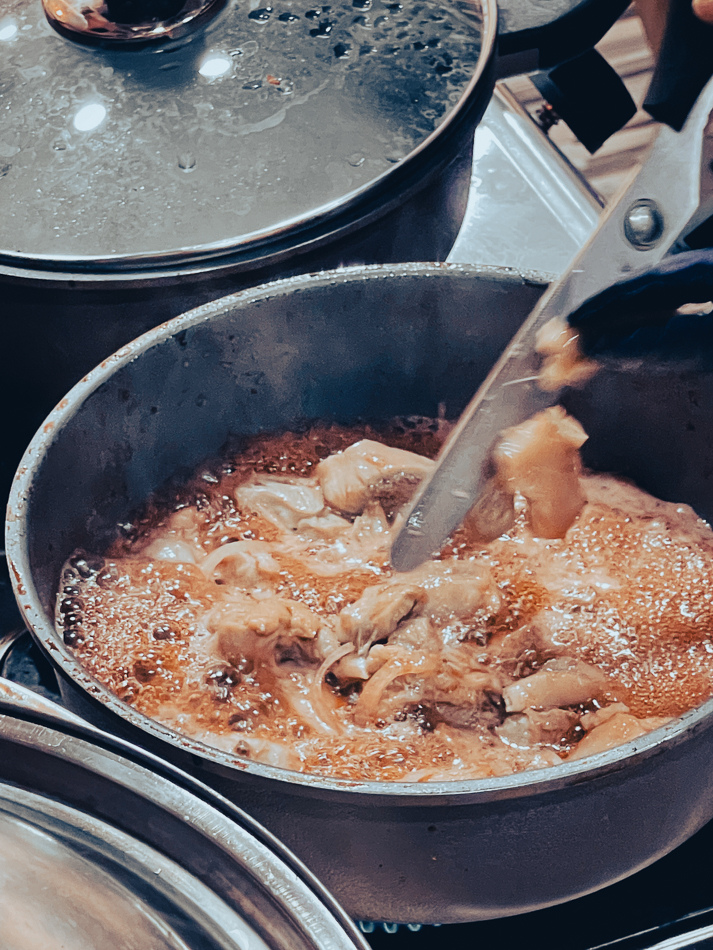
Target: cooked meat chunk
(248,565)
(532,727)
(378,612)
(242,622)
(560,682)
(540,459)
(171,549)
(492,515)
(283,502)
(619,728)
(456,590)
(564,363)
(440,591)
(349,478)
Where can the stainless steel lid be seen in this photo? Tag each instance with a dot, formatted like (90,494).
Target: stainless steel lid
(261,124)
(103,846)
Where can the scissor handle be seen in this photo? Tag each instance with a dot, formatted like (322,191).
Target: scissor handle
(684,65)
(647,299)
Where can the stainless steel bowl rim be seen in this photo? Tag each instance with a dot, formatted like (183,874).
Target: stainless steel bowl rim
(529,782)
(252,847)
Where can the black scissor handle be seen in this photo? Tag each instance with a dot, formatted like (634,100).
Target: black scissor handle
(648,299)
(684,66)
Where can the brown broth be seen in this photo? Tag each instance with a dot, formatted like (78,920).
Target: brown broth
(629,589)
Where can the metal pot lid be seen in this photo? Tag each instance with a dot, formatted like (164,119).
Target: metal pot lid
(267,118)
(105,846)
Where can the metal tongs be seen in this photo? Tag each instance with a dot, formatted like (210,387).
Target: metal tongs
(661,205)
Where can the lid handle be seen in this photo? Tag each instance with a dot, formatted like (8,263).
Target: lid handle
(111,22)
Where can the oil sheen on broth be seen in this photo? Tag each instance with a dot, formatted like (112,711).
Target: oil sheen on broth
(255,609)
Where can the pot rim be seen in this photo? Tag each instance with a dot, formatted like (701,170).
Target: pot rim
(528,782)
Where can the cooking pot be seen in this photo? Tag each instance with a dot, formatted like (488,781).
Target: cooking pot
(139,182)
(374,342)
(105,845)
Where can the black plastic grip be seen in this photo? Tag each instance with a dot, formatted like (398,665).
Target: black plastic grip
(589,96)
(647,299)
(558,29)
(684,66)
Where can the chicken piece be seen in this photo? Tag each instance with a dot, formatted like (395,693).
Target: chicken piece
(532,728)
(414,634)
(621,727)
(564,363)
(559,682)
(465,692)
(484,711)
(325,548)
(540,459)
(246,564)
(179,538)
(456,590)
(244,621)
(171,549)
(378,612)
(327,526)
(599,716)
(350,478)
(492,515)
(517,651)
(283,502)
(440,591)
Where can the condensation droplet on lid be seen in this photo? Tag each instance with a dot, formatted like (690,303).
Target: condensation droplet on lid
(89,117)
(186,162)
(323,29)
(59,146)
(356,159)
(215,66)
(260,16)
(7,30)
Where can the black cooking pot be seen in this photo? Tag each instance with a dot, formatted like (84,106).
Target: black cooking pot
(376,342)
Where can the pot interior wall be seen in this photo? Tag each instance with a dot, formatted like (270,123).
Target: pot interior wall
(332,348)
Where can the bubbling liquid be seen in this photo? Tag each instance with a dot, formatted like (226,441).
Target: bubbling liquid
(256,610)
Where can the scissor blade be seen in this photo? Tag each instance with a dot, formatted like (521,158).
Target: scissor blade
(509,395)
(675,182)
